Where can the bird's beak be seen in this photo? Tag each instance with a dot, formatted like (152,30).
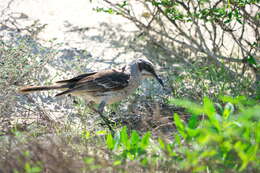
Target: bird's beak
(158,79)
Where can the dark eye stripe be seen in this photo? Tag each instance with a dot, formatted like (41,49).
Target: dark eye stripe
(145,66)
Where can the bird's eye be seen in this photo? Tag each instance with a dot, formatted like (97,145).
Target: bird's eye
(143,65)
(148,68)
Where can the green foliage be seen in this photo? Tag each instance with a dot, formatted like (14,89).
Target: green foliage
(231,139)
(217,137)
(31,169)
(28,166)
(131,147)
(227,11)
(213,139)
(252,61)
(109,10)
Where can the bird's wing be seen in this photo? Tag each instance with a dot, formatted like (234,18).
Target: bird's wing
(108,80)
(77,78)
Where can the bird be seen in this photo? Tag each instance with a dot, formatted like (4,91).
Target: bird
(106,86)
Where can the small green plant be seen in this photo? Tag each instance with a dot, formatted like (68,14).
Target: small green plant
(90,163)
(28,166)
(215,138)
(227,139)
(31,169)
(132,147)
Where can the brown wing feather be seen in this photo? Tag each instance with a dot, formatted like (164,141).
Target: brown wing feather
(108,80)
(77,78)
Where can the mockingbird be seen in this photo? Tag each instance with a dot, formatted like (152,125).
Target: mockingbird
(104,87)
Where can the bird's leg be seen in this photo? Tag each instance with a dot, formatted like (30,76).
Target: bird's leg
(100,111)
(101,106)
(107,122)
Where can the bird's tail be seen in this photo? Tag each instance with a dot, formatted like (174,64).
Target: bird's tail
(39,88)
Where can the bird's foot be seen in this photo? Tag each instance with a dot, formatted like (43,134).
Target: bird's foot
(105,119)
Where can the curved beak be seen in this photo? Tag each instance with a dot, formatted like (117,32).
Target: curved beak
(158,79)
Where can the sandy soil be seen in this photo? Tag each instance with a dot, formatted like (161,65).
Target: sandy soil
(75,24)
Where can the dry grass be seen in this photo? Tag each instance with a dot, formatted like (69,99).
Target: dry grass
(54,152)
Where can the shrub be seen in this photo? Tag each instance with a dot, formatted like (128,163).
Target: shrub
(223,140)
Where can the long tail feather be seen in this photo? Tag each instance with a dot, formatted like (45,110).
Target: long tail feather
(39,88)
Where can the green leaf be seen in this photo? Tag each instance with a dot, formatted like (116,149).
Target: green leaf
(88,160)
(211,112)
(124,137)
(233,100)
(178,122)
(85,134)
(228,110)
(161,143)
(110,11)
(250,114)
(251,60)
(209,108)
(31,169)
(36,169)
(117,162)
(145,140)
(27,167)
(117,139)
(240,101)
(257,135)
(144,162)
(227,21)
(192,132)
(252,152)
(208,153)
(240,147)
(239,21)
(110,141)
(26,153)
(230,14)
(101,132)
(169,149)
(122,5)
(134,138)
(193,122)
(190,106)
(179,125)
(219,108)
(177,139)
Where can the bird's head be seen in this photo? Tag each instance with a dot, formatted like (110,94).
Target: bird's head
(146,69)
